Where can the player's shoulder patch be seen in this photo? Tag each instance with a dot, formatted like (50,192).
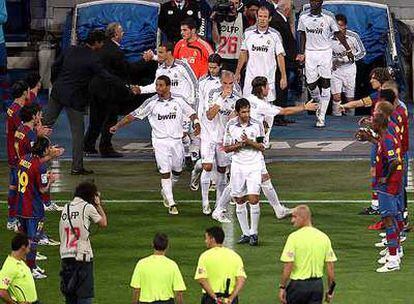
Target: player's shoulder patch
(250,28)
(352,34)
(233,121)
(213,91)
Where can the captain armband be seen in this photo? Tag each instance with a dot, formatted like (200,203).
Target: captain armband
(367,101)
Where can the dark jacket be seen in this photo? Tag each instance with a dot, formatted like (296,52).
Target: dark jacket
(113,60)
(171,16)
(71,75)
(288,40)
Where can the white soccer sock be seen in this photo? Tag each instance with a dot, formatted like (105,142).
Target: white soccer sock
(198,166)
(271,195)
(220,184)
(166,185)
(223,201)
(174,179)
(254,218)
(315,94)
(241,211)
(205,185)
(186,143)
(325,98)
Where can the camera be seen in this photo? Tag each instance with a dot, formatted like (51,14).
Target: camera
(224,11)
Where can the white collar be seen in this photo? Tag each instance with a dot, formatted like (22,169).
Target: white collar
(116,42)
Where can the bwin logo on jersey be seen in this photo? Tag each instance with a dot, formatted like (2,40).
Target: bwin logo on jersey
(262,48)
(174,82)
(314,31)
(225,112)
(172,115)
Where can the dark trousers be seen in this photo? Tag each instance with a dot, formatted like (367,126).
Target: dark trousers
(170,301)
(305,291)
(206,299)
(102,116)
(282,96)
(229,65)
(77,128)
(84,287)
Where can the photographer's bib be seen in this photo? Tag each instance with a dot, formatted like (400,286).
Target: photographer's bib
(231,34)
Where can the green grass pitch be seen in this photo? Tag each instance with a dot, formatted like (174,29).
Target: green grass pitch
(132,226)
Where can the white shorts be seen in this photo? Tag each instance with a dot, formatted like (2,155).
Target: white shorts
(264,168)
(169,154)
(318,64)
(211,151)
(245,181)
(247,88)
(343,80)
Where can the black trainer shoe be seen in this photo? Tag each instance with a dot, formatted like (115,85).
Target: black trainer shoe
(369,211)
(244,239)
(254,240)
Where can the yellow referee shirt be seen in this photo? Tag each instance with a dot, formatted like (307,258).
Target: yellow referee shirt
(158,277)
(218,264)
(17,279)
(308,248)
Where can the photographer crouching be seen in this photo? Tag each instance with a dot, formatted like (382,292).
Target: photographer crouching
(75,248)
(229,24)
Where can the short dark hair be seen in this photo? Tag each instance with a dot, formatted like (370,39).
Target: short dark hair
(251,3)
(189,22)
(341,17)
(257,84)
(168,45)
(264,8)
(166,79)
(87,191)
(18,88)
(95,36)
(40,146)
(381,74)
(214,58)
(27,112)
(216,233)
(32,79)
(242,103)
(160,241)
(18,241)
(387,95)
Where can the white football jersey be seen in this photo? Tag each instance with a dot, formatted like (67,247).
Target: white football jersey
(319,30)
(260,108)
(254,131)
(339,51)
(165,116)
(183,80)
(262,47)
(215,128)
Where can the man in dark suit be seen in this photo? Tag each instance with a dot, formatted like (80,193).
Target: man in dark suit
(107,100)
(280,22)
(71,75)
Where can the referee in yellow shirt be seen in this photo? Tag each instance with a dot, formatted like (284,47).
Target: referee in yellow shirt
(16,280)
(220,270)
(305,254)
(156,278)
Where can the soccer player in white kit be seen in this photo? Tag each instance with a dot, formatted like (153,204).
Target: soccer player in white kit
(344,70)
(315,28)
(259,109)
(165,112)
(216,112)
(183,79)
(244,138)
(262,50)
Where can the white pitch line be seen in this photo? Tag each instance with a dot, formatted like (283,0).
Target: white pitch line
(263,201)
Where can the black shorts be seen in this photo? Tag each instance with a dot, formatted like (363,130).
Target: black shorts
(206,299)
(308,291)
(80,275)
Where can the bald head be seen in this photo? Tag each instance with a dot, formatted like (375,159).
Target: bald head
(301,216)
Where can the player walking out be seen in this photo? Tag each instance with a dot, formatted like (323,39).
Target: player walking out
(316,28)
(244,137)
(165,112)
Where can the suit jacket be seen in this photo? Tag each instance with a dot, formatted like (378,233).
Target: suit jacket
(114,61)
(288,40)
(72,73)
